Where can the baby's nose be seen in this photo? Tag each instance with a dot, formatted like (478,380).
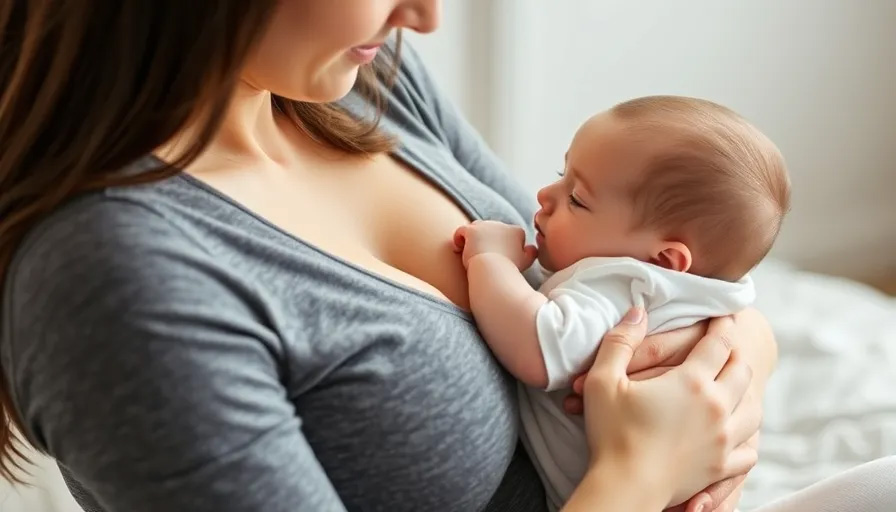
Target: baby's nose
(544,198)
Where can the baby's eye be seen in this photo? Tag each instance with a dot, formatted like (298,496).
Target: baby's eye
(575,202)
(561,172)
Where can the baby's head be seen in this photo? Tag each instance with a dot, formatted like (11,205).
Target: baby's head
(679,182)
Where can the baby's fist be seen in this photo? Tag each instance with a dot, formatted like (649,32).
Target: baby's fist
(487,236)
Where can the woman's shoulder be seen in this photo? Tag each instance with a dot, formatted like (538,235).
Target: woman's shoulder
(108,278)
(92,232)
(124,227)
(111,313)
(99,255)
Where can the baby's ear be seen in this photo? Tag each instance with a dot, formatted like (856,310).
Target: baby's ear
(674,256)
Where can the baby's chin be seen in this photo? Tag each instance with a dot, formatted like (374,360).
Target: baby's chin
(545,261)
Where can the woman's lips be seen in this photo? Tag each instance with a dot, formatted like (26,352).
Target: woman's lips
(365,54)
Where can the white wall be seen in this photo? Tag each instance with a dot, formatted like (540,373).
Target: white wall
(460,55)
(447,51)
(818,76)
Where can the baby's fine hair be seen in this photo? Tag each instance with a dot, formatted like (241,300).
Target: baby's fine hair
(716,182)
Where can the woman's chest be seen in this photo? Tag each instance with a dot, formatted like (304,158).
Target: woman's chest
(398,395)
(377,214)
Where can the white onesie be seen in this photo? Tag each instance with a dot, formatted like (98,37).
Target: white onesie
(586,300)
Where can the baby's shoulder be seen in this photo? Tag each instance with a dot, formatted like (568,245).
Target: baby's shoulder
(598,272)
(605,267)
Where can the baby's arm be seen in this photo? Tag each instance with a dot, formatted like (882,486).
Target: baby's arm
(505,308)
(544,343)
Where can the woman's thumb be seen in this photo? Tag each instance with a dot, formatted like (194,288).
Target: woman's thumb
(619,344)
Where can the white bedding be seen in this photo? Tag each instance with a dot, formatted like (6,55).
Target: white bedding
(830,405)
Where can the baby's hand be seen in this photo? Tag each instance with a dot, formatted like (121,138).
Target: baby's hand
(488,236)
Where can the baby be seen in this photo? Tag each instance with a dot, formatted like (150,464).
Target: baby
(665,203)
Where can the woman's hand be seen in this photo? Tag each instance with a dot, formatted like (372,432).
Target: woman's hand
(659,353)
(721,496)
(751,334)
(753,340)
(683,429)
(655,355)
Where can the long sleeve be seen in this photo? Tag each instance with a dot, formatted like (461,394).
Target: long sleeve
(151,376)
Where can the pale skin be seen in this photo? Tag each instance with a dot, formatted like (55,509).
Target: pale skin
(505,308)
(619,451)
(583,214)
(380,215)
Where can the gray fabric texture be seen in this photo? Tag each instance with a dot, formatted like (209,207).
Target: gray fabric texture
(175,352)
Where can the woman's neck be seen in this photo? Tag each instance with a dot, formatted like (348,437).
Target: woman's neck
(250,133)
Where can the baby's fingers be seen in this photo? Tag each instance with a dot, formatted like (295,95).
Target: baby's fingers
(460,237)
(530,252)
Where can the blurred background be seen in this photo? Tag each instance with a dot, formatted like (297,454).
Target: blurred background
(817,76)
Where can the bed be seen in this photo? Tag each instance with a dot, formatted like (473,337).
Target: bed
(831,404)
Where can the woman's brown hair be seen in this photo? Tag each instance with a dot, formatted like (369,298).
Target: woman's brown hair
(89,87)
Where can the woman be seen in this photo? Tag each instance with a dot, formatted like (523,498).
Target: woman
(224,292)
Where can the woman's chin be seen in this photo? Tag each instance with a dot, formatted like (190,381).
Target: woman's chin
(334,86)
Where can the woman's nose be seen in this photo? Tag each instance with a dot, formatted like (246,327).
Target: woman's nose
(418,15)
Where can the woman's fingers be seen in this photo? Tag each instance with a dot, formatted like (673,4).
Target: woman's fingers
(618,346)
(650,373)
(734,380)
(702,502)
(740,461)
(670,348)
(744,423)
(578,385)
(712,352)
(573,404)
(717,494)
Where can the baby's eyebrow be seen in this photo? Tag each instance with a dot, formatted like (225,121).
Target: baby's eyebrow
(581,179)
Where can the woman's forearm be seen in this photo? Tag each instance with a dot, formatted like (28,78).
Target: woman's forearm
(609,486)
